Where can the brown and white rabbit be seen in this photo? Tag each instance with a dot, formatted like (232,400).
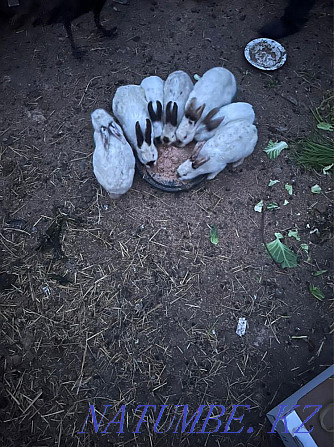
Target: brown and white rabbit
(215,88)
(221,116)
(231,144)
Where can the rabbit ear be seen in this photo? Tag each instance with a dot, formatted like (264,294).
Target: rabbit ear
(105,137)
(174,115)
(197,150)
(151,112)
(199,162)
(115,131)
(168,112)
(189,112)
(199,111)
(139,135)
(148,132)
(192,113)
(159,111)
(210,115)
(211,123)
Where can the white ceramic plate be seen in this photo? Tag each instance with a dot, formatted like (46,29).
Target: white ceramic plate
(265,54)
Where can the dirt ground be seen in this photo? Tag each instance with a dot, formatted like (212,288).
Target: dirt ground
(128,302)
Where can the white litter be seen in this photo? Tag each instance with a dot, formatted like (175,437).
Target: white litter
(241,328)
(46,291)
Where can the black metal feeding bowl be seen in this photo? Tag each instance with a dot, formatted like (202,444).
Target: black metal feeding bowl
(167,185)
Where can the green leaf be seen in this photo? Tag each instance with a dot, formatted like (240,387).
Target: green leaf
(286,202)
(317,293)
(272,206)
(197,77)
(258,207)
(325,126)
(304,247)
(274,148)
(316,189)
(294,233)
(273,182)
(288,188)
(214,236)
(319,272)
(327,168)
(281,253)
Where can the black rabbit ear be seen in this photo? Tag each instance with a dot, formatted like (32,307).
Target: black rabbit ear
(139,135)
(174,115)
(168,112)
(159,111)
(151,112)
(148,132)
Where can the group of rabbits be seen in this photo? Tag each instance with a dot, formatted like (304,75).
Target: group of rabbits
(173,112)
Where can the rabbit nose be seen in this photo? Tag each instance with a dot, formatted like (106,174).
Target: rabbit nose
(166,140)
(150,164)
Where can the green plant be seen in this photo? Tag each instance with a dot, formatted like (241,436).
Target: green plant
(315,152)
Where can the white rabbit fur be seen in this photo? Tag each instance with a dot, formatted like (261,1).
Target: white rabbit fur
(130,108)
(113,159)
(231,144)
(215,88)
(154,92)
(220,117)
(177,88)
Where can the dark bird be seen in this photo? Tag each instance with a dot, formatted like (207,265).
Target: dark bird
(39,12)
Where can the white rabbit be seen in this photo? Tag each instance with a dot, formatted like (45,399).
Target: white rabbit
(154,92)
(177,88)
(130,108)
(219,117)
(113,159)
(231,144)
(215,88)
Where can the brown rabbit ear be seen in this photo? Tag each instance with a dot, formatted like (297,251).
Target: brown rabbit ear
(168,112)
(213,124)
(199,111)
(192,113)
(148,132)
(139,135)
(151,112)
(199,162)
(209,117)
(159,111)
(197,150)
(190,110)
(174,115)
